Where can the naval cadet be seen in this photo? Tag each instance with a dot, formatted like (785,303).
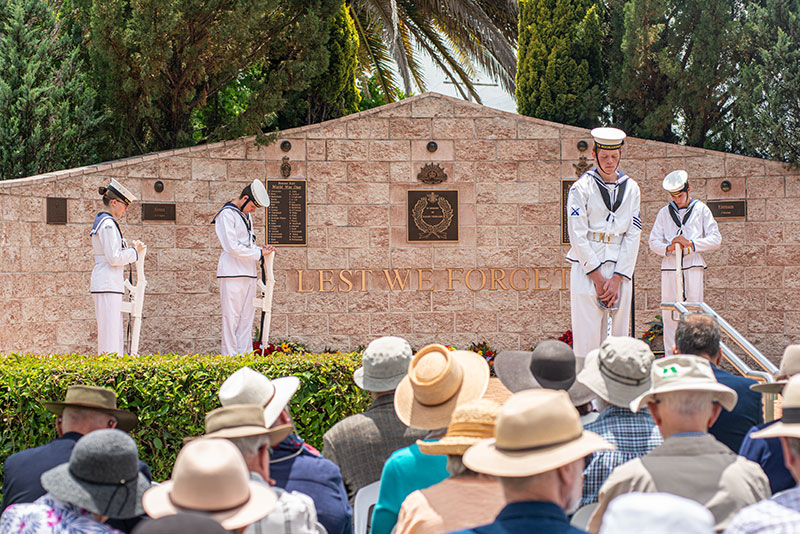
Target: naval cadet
(604,224)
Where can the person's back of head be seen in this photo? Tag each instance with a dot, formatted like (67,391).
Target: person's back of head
(698,334)
(85,420)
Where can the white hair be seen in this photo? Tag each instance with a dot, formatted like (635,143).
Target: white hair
(250,445)
(686,403)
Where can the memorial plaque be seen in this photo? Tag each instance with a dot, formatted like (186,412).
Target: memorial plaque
(566,183)
(432,215)
(728,209)
(56,210)
(158,212)
(286,214)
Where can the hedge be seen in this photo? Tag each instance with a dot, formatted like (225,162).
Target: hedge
(170,393)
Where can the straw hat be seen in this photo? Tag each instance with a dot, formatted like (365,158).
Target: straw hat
(438,380)
(94,398)
(619,371)
(536,431)
(497,392)
(471,422)
(789,425)
(790,366)
(210,477)
(241,421)
(663,513)
(247,386)
(384,364)
(685,373)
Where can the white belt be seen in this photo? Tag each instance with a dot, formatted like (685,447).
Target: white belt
(602,237)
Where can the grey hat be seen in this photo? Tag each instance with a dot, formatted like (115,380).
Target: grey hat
(619,371)
(550,365)
(179,524)
(384,364)
(102,476)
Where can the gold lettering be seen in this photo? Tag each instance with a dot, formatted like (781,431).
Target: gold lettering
(300,283)
(363,277)
(450,278)
(323,281)
(346,281)
(537,279)
(526,279)
(483,279)
(400,282)
(429,280)
(493,273)
(564,276)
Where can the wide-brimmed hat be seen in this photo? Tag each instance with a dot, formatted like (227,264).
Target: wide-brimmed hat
(497,392)
(180,524)
(470,423)
(685,373)
(578,393)
(439,380)
(94,398)
(536,431)
(247,386)
(211,477)
(619,371)
(663,513)
(102,475)
(384,364)
(789,425)
(241,421)
(790,366)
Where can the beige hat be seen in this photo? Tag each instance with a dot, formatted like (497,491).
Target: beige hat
(685,373)
(537,431)
(789,425)
(497,392)
(438,380)
(94,398)
(241,421)
(790,366)
(247,386)
(619,371)
(578,393)
(384,364)
(471,422)
(211,477)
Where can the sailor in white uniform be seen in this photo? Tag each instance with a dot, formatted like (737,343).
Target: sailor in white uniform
(111,254)
(604,224)
(237,268)
(688,222)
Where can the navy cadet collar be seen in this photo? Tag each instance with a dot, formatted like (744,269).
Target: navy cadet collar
(673,212)
(529,509)
(234,207)
(619,186)
(98,220)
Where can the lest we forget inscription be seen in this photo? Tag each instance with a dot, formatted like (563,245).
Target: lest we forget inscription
(286,214)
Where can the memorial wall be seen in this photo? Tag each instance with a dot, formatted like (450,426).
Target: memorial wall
(431,218)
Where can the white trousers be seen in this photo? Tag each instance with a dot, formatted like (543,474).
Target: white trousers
(589,319)
(693,284)
(237,314)
(109,323)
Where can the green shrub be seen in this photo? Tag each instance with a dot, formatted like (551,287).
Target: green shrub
(170,393)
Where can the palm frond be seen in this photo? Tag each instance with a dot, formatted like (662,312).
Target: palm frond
(373,55)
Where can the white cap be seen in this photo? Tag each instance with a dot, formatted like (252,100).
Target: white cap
(608,138)
(121,191)
(663,513)
(675,181)
(260,196)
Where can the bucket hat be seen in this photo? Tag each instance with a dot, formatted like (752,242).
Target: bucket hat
(619,371)
(789,425)
(439,380)
(685,373)
(102,475)
(471,422)
(384,364)
(211,477)
(241,421)
(790,366)
(94,398)
(180,524)
(247,386)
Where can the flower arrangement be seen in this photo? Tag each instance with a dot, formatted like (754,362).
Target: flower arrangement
(566,337)
(488,353)
(654,336)
(282,347)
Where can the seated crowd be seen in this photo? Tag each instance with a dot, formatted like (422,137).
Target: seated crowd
(617,442)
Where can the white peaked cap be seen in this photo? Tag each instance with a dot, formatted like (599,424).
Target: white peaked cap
(675,181)
(260,196)
(608,138)
(121,191)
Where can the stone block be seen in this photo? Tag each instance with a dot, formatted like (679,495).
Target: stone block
(325,215)
(495,128)
(327,171)
(347,237)
(529,129)
(536,171)
(175,167)
(497,214)
(209,169)
(347,150)
(517,150)
(367,302)
(410,128)
(765,187)
(496,300)
(331,130)
(237,150)
(246,170)
(390,324)
(368,128)
(412,258)
(658,168)
(349,323)
(308,323)
(444,151)
(146,169)
(453,300)
(274,152)
(783,255)
(315,150)
(486,236)
(469,321)
(324,258)
(398,109)
(705,166)
(541,300)
(417,302)
(741,166)
(518,193)
(500,171)
(379,237)
(451,128)
(762,277)
(500,258)
(486,193)
(383,150)
(297,169)
(368,171)
(367,258)
(475,150)
(400,171)
(368,216)
(519,321)
(757,210)
(779,209)
(432,107)
(539,213)
(370,194)
(440,323)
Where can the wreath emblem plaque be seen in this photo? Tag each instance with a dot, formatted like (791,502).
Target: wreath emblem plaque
(432,215)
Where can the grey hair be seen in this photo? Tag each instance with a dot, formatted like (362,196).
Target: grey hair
(698,334)
(456,467)
(250,445)
(686,403)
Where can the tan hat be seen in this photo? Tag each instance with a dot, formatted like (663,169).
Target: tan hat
(619,371)
(241,421)
(211,477)
(247,386)
(790,366)
(438,380)
(537,430)
(471,422)
(497,392)
(685,373)
(789,425)
(94,398)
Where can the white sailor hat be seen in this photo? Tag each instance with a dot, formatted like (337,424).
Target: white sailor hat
(260,196)
(121,191)
(608,138)
(675,181)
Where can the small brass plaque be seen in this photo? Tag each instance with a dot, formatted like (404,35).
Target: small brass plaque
(566,183)
(158,212)
(287,213)
(56,210)
(432,215)
(728,209)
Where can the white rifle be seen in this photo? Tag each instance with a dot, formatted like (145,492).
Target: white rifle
(678,273)
(264,301)
(136,300)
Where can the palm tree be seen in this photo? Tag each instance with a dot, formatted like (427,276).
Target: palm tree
(455,34)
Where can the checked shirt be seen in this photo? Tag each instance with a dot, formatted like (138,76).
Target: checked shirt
(778,515)
(634,435)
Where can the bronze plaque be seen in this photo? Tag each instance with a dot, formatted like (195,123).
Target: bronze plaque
(56,210)
(566,183)
(728,209)
(432,215)
(158,212)
(286,214)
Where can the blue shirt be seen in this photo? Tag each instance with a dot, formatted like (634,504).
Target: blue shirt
(767,453)
(731,427)
(528,516)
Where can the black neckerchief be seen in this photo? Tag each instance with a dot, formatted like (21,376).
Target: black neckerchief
(673,212)
(229,206)
(601,185)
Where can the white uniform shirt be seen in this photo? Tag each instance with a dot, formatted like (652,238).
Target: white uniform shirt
(700,228)
(589,220)
(240,254)
(111,254)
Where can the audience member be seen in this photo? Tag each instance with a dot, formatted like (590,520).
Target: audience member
(767,452)
(465,499)
(618,372)
(361,443)
(183,523)
(538,455)
(210,478)
(684,399)
(438,381)
(100,481)
(656,513)
(699,334)
(781,513)
(295,465)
